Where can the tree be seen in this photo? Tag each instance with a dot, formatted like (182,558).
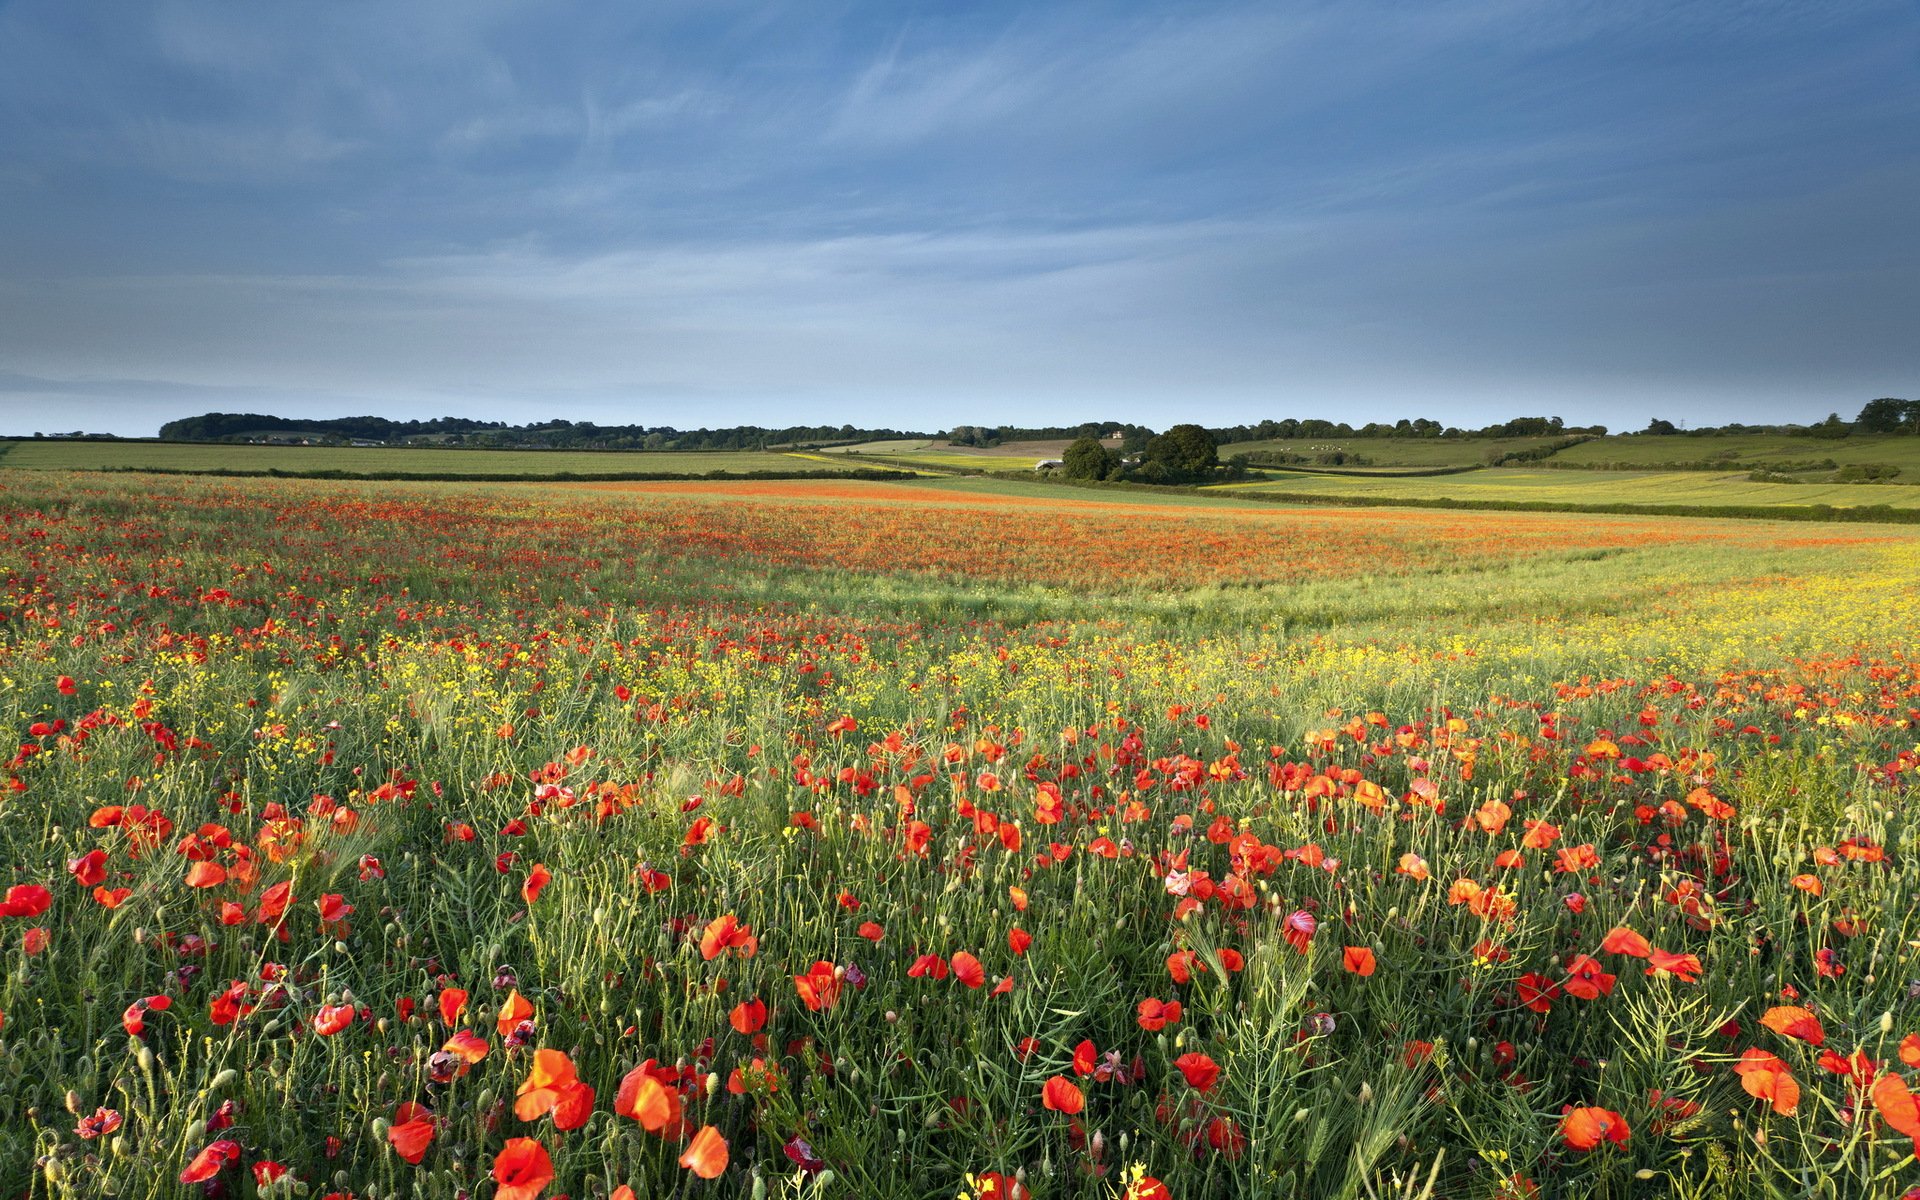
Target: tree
(1088,459)
(1832,428)
(1185,451)
(1889,415)
(1658,426)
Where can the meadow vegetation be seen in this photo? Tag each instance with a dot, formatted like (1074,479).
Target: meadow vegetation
(955,838)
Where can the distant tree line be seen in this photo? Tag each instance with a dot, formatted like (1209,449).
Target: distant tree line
(1883,416)
(557,434)
(1886,415)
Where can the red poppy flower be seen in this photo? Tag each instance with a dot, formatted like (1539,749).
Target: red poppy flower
(1155,1015)
(90,869)
(1201,1071)
(967,969)
(1358,960)
(522,1170)
(819,988)
(134,1020)
(211,1161)
(1536,992)
(749,1017)
(332,1018)
(452,1002)
(25,900)
(411,1132)
(537,879)
(1586,979)
(1060,1095)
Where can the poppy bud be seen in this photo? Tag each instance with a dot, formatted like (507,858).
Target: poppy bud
(224,1078)
(379,1129)
(893,1018)
(73,1102)
(713,1084)
(339,947)
(1366,1093)
(759,1188)
(1886,1023)
(824,1178)
(1643,1174)
(1299,1115)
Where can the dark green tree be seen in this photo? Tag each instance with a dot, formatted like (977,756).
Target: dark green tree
(1185,451)
(1088,459)
(1889,415)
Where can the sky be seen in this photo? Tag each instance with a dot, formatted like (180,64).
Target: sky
(913,215)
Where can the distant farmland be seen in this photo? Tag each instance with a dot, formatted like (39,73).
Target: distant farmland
(62,454)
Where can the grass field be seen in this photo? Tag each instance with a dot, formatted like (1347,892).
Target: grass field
(1396,452)
(960,837)
(87,455)
(1543,485)
(1751,450)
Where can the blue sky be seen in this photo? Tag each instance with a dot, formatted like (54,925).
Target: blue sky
(919,214)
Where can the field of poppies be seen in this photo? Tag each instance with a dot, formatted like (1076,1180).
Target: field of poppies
(831,839)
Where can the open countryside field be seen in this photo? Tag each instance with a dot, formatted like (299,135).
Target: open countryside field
(1705,489)
(1748,451)
(63,454)
(947,838)
(1396,452)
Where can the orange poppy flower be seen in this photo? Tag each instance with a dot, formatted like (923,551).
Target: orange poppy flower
(1358,960)
(1767,1077)
(647,1100)
(727,933)
(706,1156)
(514,1011)
(1794,1022)
(553,1087)
(1585,1128)
(1621,940)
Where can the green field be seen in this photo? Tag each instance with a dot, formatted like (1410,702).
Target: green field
(55,455)
(1749,450)
(1706,489)
(1396,452)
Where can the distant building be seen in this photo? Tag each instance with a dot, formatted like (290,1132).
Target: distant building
(1049,464)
